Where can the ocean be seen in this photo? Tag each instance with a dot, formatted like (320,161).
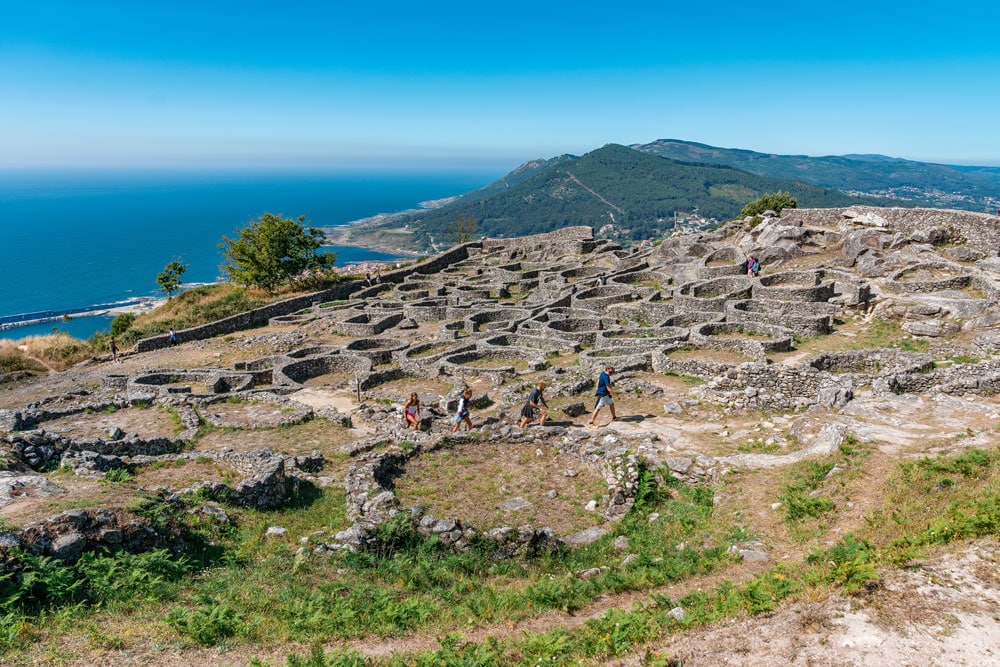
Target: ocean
(73,240)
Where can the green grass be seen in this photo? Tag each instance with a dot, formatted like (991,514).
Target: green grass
(968,507)
(886,333)
(236,587)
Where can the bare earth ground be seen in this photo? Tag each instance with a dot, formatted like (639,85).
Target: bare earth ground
(944,610)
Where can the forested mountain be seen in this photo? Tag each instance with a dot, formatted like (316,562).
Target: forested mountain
(917,183)
(637,193)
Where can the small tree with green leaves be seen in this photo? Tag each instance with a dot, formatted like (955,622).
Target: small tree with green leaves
(464,228)
(771,201)
(122,323)
(272,250)
(169,279)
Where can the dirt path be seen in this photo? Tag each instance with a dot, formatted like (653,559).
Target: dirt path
(580,183)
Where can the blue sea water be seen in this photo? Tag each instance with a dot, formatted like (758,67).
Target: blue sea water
(76,239)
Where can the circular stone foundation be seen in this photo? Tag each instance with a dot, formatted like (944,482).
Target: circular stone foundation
(492,484)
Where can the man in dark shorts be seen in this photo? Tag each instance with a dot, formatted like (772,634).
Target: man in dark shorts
(604,396)
(534,408)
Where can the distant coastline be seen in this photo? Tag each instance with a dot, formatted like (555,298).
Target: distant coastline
(361,233)
(120,229)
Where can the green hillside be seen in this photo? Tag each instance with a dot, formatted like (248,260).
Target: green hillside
(638,193)
(917,183)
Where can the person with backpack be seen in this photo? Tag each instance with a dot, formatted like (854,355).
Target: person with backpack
(753,266)
(462,413)
(534,407)
(605,396)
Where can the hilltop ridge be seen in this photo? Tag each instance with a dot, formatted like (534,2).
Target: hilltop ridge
(907,182)
(628,194)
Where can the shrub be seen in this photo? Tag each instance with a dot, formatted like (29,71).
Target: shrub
(121,324)
(772,201)
(208,624)
(118,476)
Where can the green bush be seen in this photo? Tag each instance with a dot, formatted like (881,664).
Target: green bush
(772,201)
(118,476)
(121,324)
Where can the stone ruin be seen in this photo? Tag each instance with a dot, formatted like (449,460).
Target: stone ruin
(498,310)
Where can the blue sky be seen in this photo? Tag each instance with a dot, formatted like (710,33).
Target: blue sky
(411,85)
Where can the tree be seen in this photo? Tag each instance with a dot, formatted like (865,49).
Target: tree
(773,201)
(272,250)
(463,229)
(169,279)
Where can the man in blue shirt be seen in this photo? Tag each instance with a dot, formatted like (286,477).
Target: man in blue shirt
(604,396)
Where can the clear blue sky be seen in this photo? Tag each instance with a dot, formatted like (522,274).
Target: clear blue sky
(381,84)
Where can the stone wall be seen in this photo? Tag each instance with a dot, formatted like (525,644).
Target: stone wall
(261,316)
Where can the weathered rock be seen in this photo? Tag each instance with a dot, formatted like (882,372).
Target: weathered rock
(277,532)
(587,536)
(68,546)
(514,504)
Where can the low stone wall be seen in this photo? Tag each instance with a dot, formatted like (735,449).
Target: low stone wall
(699,368)
(427,310)
(295,413)
(380,350)
(216,381)
(805,319)
(711,295)
(871,363)
(543,344)
(713,335)
(896,282)
(640,340)
(297,372)
(960,379)
(726,261)
(594,361)
(599,298)
(773,387)
(797,286)
(569,235)
(367,324)
(652,312)
(69,535)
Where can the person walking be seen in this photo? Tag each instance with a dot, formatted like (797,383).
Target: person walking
(462,413)
(605,396)
(173,337)
(534,407)
(411,413)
